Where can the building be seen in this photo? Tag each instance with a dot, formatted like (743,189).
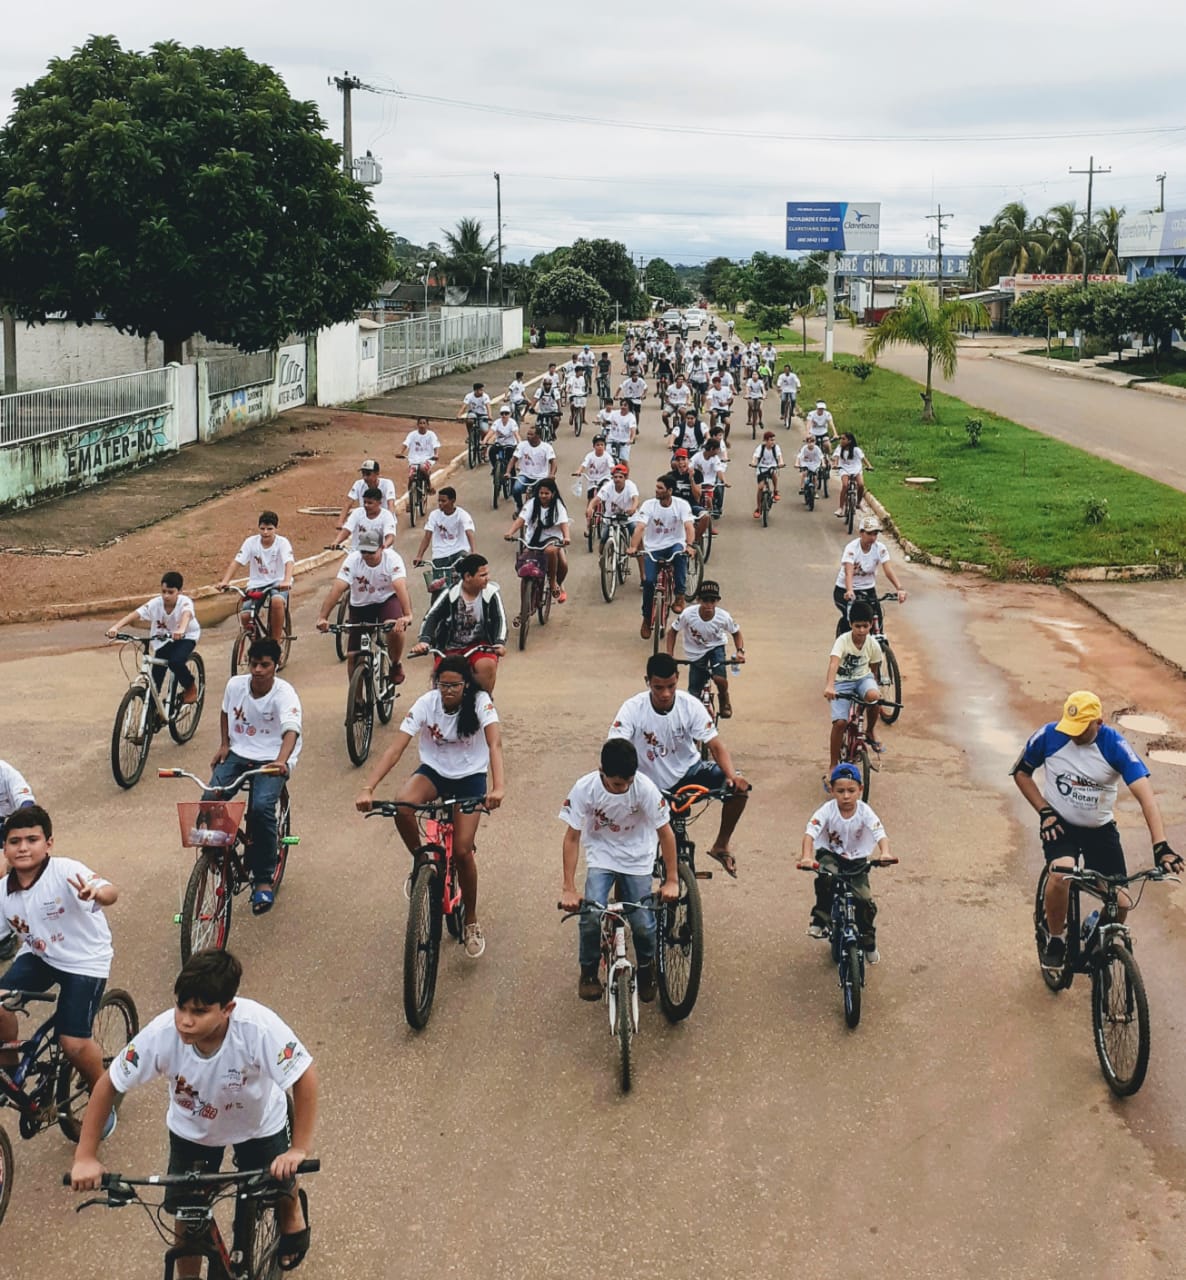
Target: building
(1153,244)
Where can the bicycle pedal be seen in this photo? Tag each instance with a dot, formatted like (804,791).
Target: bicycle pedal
(290,840)
(703,875)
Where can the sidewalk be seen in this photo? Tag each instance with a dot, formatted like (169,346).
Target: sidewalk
(1150,612)
(1088,372)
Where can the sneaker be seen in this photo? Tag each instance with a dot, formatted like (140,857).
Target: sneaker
(590,987)
(109,1127)
(778,497)
(818,931)
(645,630)
(1055,953)
(872,956)
(474,941)
(190,694)
(647,983)
(562,597)
(757,515)
(838,514)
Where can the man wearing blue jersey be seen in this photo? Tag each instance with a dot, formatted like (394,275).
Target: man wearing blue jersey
(1083,761)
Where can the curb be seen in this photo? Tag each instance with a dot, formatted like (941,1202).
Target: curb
(1148,385)
(1126,631)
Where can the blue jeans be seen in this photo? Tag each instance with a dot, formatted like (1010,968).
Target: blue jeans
(520,486)
(650,574)
(261,813)
(176,653)
(642,923)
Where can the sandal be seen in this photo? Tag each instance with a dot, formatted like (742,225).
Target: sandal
(398,677)
(262,901)
(875,744)
(726,859)
(293,1245)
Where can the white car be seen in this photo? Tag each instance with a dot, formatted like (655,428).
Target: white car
(695,318)
(672,317)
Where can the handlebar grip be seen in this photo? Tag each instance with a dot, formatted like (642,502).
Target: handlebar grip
(806,866)
(309,1166)
(168,773)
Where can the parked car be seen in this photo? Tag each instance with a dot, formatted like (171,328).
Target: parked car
(694,318)
(672,317)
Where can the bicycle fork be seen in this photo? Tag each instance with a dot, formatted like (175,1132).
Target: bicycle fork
(619,961)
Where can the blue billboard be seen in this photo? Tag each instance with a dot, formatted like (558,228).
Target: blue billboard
(830,224)
(912,265)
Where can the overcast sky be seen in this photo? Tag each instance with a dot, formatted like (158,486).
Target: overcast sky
(924,103)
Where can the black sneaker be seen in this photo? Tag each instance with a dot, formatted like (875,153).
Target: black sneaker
(648,985)
(1054,954)
(590,987)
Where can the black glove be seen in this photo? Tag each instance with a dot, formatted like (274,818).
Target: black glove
(1166,858)
(1051,827)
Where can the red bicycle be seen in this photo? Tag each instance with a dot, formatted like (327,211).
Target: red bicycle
(854,746)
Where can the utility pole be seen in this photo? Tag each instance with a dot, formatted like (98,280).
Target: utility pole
(830,310)
(1091,171)
(1160,180)
(940,220)
(502,298)
(9,351)
(345,83)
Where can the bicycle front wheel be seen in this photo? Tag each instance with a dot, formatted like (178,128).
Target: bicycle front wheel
(609,569)
(257,1231)
(496,482)
(862,763)
(850,980)
(184,716)
(471,448)
(116,1023)
(681,949)
(625,1027)
(422,945)
(1120,1020)
(809,496)
(360,714)
(206,910)
(340,638)
(695,573)
(850,509)
(7,1168)
(891,685)
(765,507)
(283,837)
(543,607)
(525,586)
(132,736)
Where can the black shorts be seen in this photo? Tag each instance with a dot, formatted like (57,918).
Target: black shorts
(186,1156)
(1099,847)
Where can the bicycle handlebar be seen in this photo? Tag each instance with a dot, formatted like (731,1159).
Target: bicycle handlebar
(856,697)
(389,808)
(335,627)
(14,1000)
(267,770)
(588,907)
(1084,875)
(124,637)
(868,862)
(683,798)
(459,653)
(115,1181)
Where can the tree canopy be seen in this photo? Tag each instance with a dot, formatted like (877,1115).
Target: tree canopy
(571,294)
(180,191)
(467,252)
(663,282)
(610,265)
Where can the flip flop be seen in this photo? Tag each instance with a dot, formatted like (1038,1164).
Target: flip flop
(726,859)
(262,901)
(293,1245)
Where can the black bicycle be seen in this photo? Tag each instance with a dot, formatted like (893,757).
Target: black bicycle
(1102,947)
(809,483)
(500,480)
(253,1252)
(475,430)
(418,482)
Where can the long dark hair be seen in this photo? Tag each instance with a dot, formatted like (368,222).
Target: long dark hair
(849,449)
(546,516)
(468,723)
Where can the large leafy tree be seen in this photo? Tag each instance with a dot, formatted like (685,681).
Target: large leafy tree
(663,282)
(609,264)
(714,268)
(571,294)
(1010,244)
(467,252)
(1063,228)
(923,321)
(1104,247)
(180,191)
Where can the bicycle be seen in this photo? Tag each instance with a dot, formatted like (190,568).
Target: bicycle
(766,490)
(144,709)
(260,600)
(418,482)
(1102,947)
(341,611)
(546,421)
(371,688)
(500,480)
(43,1087)
(753,417)
(847,953)
(808,490)
(854,746)
(475,430)
(434,894)
(891,673)
(603,391)
(707,694)
(614,561)
(852,500)
(535,596)
(255,1232)
(220,872)
(621,979)
(788,413)
(663,601)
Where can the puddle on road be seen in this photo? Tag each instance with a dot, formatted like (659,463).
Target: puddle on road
(1169,757)
(1065,631)
(1143,724)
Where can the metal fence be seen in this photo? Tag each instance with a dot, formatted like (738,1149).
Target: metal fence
(421,345)
(229,373)
(51,411)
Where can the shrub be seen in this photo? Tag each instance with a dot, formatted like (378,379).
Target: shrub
(1096,510)
(974,426)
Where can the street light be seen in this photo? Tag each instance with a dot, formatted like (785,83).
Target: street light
(487,270)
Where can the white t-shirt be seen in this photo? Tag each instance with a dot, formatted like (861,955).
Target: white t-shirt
(265,565)
(477,406)
(234,1095)
(720,398)
(436,730)
(506,432)
(709,467)
(53,924)
(755,389)
(788,384)
(538,534)
(14,790)
(596,469)
(517,391)
(666,745)
(371,584)
(421,448)
(850,838)
(534,460)
(1081,780)
(448,532)
(701,636)
(360,486)
(384,524)
(162,625)
(679,395)
(664,526)
(726,380)
(545,399)
(849,466)
(258,725)
(575,386)
(864,564)
(855,663)
(767,456)
(621,425)
(820,423)
(617,831)
(810,459)
(633,389)
(615,503)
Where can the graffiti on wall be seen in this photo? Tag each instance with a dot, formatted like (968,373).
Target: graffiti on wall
(238,408)
(90,453)
(290,377)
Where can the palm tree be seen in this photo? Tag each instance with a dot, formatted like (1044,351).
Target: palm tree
(1063,224)
(466,252)
(1106,237)
(1011,244)
(921,320)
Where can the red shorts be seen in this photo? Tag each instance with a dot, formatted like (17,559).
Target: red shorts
(473,659)
(388,610)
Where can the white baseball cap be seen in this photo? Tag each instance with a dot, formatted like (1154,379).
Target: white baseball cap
(819,404)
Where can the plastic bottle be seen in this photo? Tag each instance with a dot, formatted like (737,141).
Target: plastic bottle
(1089,926)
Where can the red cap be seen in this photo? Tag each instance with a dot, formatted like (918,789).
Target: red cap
(680,453)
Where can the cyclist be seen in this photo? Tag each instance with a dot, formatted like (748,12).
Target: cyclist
(469,613)
(852,463)
(617,496)
(544,518)
(577,397)
(688,433)
(449,528)
(585,359)
(55,906)
(755,393)
(269,562)
(15,793)
(769,360)
(595,468)
(371,517)
(475,409)
(857,578)
(697,376)
(709,466)
(502,438)
(377,580)
(720,404)
(369,478)
(175,632)
(616,814)
(854,668)
(664,530)
(821,425)
(516,394)
(622,430)
(459,739)
(665,724)
(688,488)
(260,723)
(421,448)
(633,392)
(845,831)
(533,459)
(810,458)
(1083,762)
(705,631)
(229,1062)
(547,404)
(736,360)
(604,367)
(767,460)
(788,393)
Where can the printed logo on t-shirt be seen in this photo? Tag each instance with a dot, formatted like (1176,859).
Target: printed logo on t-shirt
(131,1057)
(287,1053)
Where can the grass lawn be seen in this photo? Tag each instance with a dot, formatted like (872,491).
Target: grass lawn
(1056,352)
(1170,369)
(1016,503)
(792,333)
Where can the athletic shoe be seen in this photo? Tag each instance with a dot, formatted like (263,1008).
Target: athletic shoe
(1055,953)
(873,956)
(590,987)
(474,942)
(818,931)
(647,982)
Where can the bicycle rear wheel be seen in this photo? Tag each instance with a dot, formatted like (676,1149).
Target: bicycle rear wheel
(609,568)
(1061,978)
(850,980)
(422,945)
(239,651)
(206,910)
(340,638)
(184,716)
(625,1027)
(132,736)
(116,1023)
(1120,1019)
(284,837)
(681,949)
(525,586)
(891,685)
(360,714)
(7,1167)
(543,607)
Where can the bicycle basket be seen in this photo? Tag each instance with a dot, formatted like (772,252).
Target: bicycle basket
(530,564)
(209,823)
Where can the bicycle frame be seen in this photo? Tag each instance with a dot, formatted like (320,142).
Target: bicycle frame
(37,1107)
(613,950)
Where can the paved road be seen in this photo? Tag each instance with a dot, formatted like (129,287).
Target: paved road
(1138,431)
(962,1130)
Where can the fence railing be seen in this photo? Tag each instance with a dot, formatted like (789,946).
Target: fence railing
(51,411)
(422,343)
(229,373)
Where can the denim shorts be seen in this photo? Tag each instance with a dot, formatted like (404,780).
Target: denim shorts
(78,994)
(706,774)
(472,787)
(186,1156)
(858,688)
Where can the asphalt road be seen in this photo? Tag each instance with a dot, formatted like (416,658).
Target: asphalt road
(962,1130)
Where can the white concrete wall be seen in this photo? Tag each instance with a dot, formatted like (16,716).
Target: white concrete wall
(187,404)
(512,329)
(368,361)
(337,363)
(60,351)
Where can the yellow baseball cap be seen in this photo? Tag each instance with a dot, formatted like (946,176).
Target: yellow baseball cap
(1079,711)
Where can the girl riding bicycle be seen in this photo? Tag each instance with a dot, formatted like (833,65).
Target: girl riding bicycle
(545,519)
(850,460)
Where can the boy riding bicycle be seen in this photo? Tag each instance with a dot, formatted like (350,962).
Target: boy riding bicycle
(270,563)
(175,632)
(854,671)
(705,631)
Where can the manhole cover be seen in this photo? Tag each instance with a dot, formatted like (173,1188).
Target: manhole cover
(1169,757)
(921,480)
(1143,724)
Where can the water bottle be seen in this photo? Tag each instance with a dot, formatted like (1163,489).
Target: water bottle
(1089,927)
(734,668)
